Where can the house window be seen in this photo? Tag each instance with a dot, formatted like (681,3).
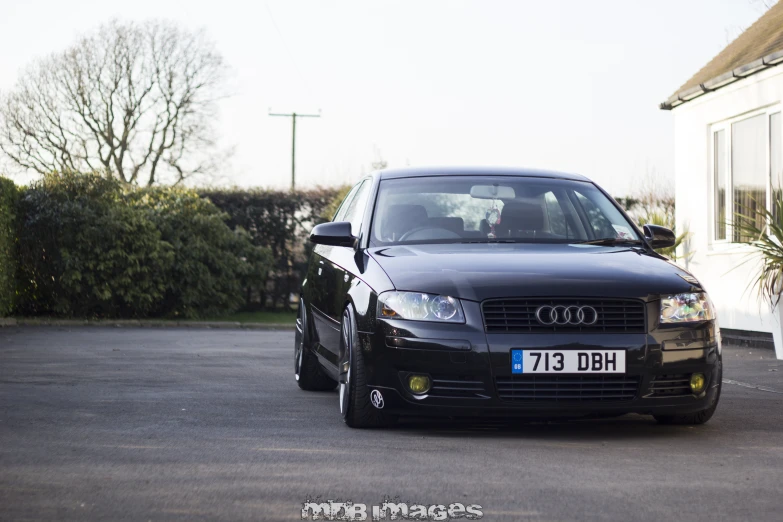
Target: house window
(747,175)
(719,151)
(776,162)
(748,169)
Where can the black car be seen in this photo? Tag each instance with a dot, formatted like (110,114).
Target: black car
(501,292)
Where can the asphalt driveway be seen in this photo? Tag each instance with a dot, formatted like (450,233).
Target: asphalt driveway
(186,424)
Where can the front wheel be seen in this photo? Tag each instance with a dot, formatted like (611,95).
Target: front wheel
(355,405)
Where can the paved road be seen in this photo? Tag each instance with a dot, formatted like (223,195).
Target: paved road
(148,424)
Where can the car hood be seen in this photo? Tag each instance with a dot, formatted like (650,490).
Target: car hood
(483,271)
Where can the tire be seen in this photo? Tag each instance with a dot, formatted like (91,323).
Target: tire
(354,396)
(699,417)
(307,370)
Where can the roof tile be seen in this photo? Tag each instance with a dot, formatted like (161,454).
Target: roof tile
(762,38)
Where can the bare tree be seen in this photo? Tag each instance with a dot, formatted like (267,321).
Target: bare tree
(134,101)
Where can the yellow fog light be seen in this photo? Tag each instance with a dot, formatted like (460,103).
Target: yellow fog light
(697,382)
(419,384)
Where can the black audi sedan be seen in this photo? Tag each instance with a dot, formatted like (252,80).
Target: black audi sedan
(504,293)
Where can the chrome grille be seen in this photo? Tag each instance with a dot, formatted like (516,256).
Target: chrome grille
(519,315)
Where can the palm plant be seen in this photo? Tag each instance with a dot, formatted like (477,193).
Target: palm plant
(764,231)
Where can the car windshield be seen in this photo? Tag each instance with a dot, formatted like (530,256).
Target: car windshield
(462,209)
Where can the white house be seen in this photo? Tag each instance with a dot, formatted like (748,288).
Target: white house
(729,157)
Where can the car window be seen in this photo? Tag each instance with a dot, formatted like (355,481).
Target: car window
(456,209)
(355,208)
(340,214)
(605,220)
(556,217)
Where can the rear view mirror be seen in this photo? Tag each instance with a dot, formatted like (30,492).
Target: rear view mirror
(492,192)
(337,233)
(659,237)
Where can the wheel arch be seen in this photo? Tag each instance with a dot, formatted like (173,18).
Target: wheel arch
(308,329)
(363,299)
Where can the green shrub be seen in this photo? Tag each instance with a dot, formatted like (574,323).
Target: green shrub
(83,251)
(281,222)
(8,199)
(89,247)
(213,265)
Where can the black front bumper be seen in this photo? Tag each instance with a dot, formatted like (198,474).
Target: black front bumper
(470,368)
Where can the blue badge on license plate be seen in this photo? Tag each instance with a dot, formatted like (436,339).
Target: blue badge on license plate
(516,361)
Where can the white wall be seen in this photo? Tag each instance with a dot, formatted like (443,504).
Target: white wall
(719,267)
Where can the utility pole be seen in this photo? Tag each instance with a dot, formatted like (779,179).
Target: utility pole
(293,117)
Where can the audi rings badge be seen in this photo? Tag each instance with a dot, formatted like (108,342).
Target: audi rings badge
(566,315)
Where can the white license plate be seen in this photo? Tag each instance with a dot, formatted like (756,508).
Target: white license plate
(567,361)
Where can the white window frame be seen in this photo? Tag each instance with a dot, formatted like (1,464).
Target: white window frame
(726,126)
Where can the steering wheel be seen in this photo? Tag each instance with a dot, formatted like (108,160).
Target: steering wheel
(435,233)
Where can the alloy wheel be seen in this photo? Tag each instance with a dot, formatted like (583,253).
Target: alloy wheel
(299,347)
(345,373)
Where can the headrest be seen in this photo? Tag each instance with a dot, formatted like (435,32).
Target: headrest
(525,216)
(521,216)
(402,218)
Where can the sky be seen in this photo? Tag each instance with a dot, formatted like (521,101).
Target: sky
(561,85)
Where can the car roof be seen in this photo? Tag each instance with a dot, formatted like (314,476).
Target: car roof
(417,172)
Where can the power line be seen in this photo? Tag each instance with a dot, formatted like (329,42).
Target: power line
(293,117)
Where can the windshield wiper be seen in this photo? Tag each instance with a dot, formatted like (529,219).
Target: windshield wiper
(609,241)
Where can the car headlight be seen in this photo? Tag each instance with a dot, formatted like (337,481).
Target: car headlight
(686,308)
(418,306)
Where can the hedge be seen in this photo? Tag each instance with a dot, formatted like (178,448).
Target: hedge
(80,245)
(281,222)
(88,247)
(213,265)
(8,198)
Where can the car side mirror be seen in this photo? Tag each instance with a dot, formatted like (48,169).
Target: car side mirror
(337,233)
(659,237)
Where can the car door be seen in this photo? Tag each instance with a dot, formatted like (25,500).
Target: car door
(341,266)
(322,282)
